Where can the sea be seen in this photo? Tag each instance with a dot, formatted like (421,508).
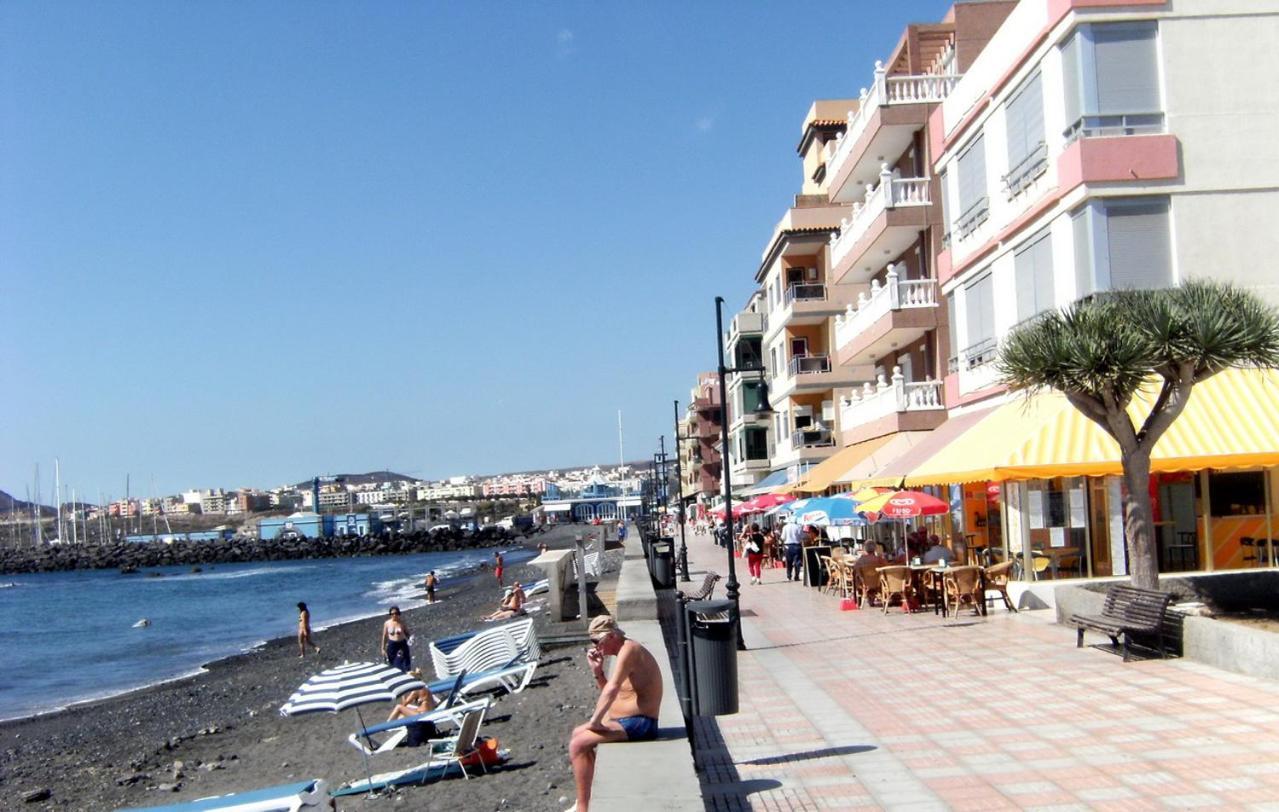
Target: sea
(70,637)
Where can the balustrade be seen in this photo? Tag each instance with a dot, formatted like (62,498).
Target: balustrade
(891,192)
(885,397)
(894,294)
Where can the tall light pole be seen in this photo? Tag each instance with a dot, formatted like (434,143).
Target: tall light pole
(679,475)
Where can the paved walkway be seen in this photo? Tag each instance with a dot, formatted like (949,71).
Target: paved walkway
(862,710)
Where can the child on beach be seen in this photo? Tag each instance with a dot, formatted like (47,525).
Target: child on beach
(304,631)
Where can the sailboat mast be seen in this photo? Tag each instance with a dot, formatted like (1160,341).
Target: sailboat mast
(57,495)
(75,537)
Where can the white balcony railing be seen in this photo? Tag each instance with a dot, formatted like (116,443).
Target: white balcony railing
(885,397)
(886,91)
(811,438)
(808,292)
(809,364)
(894,294)
(890,193)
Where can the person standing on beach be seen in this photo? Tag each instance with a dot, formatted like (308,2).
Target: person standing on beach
(304,631)
(497,568)
(395,641)
(431,583)
(627,707)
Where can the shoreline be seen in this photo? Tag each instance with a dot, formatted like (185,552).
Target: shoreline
(461,578)
(219,730)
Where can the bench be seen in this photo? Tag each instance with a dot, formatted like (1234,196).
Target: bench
(703,592)
(1128,610)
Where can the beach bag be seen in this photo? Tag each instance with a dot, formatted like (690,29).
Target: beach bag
(485,753)
(419,733)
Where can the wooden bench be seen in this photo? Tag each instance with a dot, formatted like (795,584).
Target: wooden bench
(704,591)
(1128,610)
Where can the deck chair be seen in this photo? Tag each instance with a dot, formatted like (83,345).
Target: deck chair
(512,678)
(302,795)
(460,746)
(894,581)
(485,650)
(962,583)
(997,581)
(364,741)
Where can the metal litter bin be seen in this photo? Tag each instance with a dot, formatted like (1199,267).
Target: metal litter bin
(662,563)
(712,654)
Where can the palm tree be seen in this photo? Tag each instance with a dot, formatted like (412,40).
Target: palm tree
(1100,351)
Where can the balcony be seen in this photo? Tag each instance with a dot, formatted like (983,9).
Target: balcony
(809,364)
(881,128)
(808,373)
(888,406)
(807,303)
(889,316)
(883,225)
(811,438)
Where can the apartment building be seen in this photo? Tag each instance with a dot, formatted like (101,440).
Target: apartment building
(1098,146)
(463,488)
(799,296)
(514,485)
(749,430)
(700,460)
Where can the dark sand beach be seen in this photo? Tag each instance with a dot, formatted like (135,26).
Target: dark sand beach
(220,731)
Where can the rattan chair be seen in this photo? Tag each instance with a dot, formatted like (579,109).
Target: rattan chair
(894,582)
(866,583)
(997,581)
(963,583)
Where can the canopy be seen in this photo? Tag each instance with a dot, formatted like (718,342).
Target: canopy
(1231,421)
(768,483)
(891,474)
(822,476)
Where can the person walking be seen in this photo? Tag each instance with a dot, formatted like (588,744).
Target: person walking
(304,631)
(395,641)
(793,542)
(755,554)
(431,583)
(497,568)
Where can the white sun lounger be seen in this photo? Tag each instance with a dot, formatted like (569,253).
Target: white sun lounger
(444,754)
(363,740)
(513,678)
(486,650)
(284,798)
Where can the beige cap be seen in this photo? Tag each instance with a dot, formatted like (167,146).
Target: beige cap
(601,626)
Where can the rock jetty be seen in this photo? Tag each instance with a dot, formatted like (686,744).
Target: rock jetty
(133,556)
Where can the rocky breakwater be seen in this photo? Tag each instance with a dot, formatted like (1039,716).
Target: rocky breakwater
(133,556)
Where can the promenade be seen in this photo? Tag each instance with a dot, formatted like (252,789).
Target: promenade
(862,710)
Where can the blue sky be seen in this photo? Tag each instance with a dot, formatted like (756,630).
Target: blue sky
(241,245)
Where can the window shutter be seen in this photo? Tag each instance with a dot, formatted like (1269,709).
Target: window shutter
(980,308)
(1034,272)
(945,202)
(1127,69)
(1025,115)
(1084,276)
(952,317)
(1071,88)
(1140,244)
(972,175)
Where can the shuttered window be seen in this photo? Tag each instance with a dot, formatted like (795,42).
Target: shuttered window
(1139,243)
(972,187)
(1127,68)
(1085,284)
(1072,82)
(1027,157)
(952,330)
(979,307)
(1033,265)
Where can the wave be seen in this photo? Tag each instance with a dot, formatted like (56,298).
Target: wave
(226,576)
(9,585)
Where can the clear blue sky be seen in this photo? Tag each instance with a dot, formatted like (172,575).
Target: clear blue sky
(244,244)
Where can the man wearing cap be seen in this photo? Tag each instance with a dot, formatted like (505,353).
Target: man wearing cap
(628,704)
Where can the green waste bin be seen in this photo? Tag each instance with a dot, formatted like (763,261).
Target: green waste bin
(712,654)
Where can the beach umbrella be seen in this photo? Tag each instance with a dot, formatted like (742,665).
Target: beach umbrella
(904,505)
(831,510)
(350,685)
(767,501)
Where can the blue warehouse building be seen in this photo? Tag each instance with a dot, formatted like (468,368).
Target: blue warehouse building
(314,525)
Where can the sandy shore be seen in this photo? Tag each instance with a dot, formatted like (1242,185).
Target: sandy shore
(220,731)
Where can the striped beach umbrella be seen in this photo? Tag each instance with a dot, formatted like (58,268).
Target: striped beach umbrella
(347,686)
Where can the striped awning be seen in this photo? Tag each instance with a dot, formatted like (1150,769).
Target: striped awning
(1231,421)
(821,476)
(347,686)
(892,473)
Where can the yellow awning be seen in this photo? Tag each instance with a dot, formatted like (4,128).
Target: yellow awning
(899,444)
(1231,421)
(830,470)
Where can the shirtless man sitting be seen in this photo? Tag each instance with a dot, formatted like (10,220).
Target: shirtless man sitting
(628,703)
(512,604)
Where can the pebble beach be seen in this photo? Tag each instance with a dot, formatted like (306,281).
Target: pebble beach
(220,732)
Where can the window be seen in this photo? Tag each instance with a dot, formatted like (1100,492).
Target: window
(972,188)
(1027,153)
(1111,80)
(756,443)
(1123,243)
(945,208)
(952,327)
(751,397)
(979,307)
(1033,265)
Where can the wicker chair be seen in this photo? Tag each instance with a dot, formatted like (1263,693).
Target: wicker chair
(866,583)
(997,580)
(962,583)
(894,581)
(843,570)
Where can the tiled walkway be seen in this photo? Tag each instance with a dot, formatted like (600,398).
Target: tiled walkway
(862,710)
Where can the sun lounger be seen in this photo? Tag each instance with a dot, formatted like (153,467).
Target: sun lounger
(444,755)
(513,677)
(364,741)
(486,650)
(284,798)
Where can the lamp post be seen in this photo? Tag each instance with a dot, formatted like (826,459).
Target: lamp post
(679,475)
(733,588)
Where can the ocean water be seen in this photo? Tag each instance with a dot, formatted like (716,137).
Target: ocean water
(68,637)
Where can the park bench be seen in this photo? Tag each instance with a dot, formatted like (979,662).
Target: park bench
(1128,610)
(703,592)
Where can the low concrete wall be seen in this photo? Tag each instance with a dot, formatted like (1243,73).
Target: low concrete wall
(1075,600)
(656,775)
(1230,646)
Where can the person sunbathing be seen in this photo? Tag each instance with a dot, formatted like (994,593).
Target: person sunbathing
(512,604)
(414,702)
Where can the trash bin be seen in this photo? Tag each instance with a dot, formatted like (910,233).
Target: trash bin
(663,563)
(712,642)
(814,573)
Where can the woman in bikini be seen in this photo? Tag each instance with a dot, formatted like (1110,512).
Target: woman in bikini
(395,641)
(304,630)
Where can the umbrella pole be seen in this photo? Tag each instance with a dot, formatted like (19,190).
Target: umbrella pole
(367,770)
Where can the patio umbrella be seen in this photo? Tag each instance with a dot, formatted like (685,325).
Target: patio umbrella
(767,501)
(831,510)
(903,505)
(348,686)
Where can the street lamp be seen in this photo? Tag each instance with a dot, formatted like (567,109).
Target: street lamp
(733,587)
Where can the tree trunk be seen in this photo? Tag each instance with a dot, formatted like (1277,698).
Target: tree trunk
(1139,520)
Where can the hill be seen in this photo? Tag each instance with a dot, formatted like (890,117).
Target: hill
(371,478)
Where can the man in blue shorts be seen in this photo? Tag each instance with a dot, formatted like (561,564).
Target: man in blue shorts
(627,708)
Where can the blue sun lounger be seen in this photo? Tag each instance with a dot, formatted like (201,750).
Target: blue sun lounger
(284,798)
